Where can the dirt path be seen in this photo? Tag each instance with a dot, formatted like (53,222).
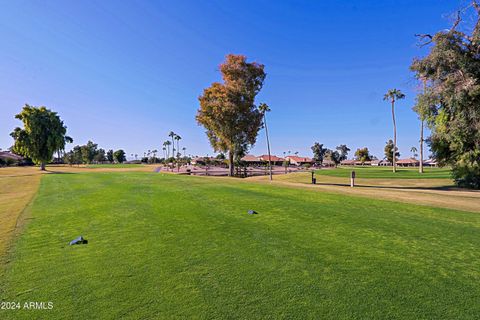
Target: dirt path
(16,192)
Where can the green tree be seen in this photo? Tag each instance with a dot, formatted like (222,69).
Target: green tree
(74,156)
(451,99)
(318,153)
(99,156)
(110,157)
(264,108)
(89,151)
(425,108)
(343,151)
(333,156)
(394,95)
(42,135)
(69,158)
(119,156)
(227,110)
(389,147)
(363,155)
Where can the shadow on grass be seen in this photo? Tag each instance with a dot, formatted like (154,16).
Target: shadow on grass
(59,172)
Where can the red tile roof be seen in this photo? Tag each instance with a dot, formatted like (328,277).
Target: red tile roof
(272,158)
(251,158)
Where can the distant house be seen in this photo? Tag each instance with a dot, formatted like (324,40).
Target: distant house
(365,163)
(430,163)
(328,163)
(381,163)
(348,162)
(276,161)
(298,161)
(9,157)
(356,163)
(252,160)
(408,162)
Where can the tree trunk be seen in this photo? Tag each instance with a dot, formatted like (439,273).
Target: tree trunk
(42,166)
(394,137)
(268,147)
(230,163)
(420,169)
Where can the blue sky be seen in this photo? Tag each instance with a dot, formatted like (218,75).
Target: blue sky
(125,73)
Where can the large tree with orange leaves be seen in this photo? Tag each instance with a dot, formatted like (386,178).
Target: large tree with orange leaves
(228,111)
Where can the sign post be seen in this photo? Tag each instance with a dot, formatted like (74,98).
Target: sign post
(352,179)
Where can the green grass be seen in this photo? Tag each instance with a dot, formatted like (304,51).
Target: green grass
(165,246)
(386,173)
(114,165)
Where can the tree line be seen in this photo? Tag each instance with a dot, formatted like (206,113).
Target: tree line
(90,153)
(449,105)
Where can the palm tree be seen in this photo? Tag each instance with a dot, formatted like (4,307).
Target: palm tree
(414,150)
(155,155)
(178,138)
(264,108)
(164,152)
(172,135)
(393,95)
(184,151)
(422,120)
(167,144)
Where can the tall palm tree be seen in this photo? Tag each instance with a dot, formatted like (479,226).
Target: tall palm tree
(155,155)
(422,120)
(167,144)
(394,95)
(172,135)
(178,138)
(264,108)
(164,152)
(184,151)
